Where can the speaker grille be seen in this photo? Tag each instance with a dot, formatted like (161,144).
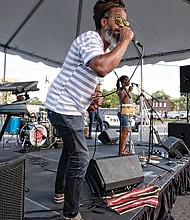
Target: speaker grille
(108,137)
(113,173)
(176,147)
(12,188)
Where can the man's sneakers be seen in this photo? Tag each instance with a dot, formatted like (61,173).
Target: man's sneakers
(58,198)
(89,137)
(78,217)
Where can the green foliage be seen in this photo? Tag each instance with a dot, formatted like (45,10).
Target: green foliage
(160,94)
(111,98)
(35,101)
(179,104)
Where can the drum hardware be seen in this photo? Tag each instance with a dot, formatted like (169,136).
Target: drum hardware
(33,134)
(52,139)
(130,143)
(41,135)
(23,144)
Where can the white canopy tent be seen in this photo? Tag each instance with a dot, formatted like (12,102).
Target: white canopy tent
(42,30)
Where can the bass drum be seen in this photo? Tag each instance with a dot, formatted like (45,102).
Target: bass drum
(34,134)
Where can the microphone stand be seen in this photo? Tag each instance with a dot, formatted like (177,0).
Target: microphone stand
(141,54)
(96,131)
(151,127)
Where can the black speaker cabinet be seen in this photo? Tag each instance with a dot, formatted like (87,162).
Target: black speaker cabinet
(113,173)
(12,176)
(181,131)
(108,136)
(185,79)
(175,147)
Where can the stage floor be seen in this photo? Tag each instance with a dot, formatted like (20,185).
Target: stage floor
(40,174)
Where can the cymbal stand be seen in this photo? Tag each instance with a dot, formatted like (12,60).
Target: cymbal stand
(130,143)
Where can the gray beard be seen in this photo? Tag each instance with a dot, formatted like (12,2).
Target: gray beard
(109,36)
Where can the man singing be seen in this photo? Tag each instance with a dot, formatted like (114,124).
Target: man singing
(75,87)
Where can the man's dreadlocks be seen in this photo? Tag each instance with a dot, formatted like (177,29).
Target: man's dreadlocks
(103,6)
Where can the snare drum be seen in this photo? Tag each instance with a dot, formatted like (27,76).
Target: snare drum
(33,133)
(128,109)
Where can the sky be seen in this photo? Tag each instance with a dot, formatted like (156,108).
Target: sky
(161,76)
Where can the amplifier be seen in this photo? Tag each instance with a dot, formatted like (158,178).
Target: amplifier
(12,185)
(113,173)
(181,131)
(109,136)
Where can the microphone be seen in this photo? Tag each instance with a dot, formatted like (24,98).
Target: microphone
(136,42)
(134,84)
(137,99)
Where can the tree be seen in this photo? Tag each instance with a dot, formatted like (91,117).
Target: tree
(111,98)
(160,94)
(35,101)
(179,104)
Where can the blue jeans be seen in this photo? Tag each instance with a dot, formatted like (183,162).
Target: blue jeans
(73,161)
(124,120)
(95,115)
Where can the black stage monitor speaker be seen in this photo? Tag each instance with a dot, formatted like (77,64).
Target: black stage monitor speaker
(12,176)
(113,173)
(175,147)
(181,131)
(185,79)
(108,136)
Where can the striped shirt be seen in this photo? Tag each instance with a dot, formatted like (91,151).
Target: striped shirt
(71,91)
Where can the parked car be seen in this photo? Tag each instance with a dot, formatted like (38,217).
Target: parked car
(177,114)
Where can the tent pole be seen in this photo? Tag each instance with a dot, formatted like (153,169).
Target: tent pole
(4,73)
(141,102)
(5,62)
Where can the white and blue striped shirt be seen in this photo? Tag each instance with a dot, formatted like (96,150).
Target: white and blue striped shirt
(71,91)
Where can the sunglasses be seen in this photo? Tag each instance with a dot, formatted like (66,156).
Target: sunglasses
(119,21)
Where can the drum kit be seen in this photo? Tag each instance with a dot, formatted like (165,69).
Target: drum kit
(34,134)
(130,110)
(40,134)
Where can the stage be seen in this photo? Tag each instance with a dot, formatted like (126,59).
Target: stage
(40,170)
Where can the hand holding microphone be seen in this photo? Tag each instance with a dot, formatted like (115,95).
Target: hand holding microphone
(130,88)
(97,98)
(135,84)
(127,33)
